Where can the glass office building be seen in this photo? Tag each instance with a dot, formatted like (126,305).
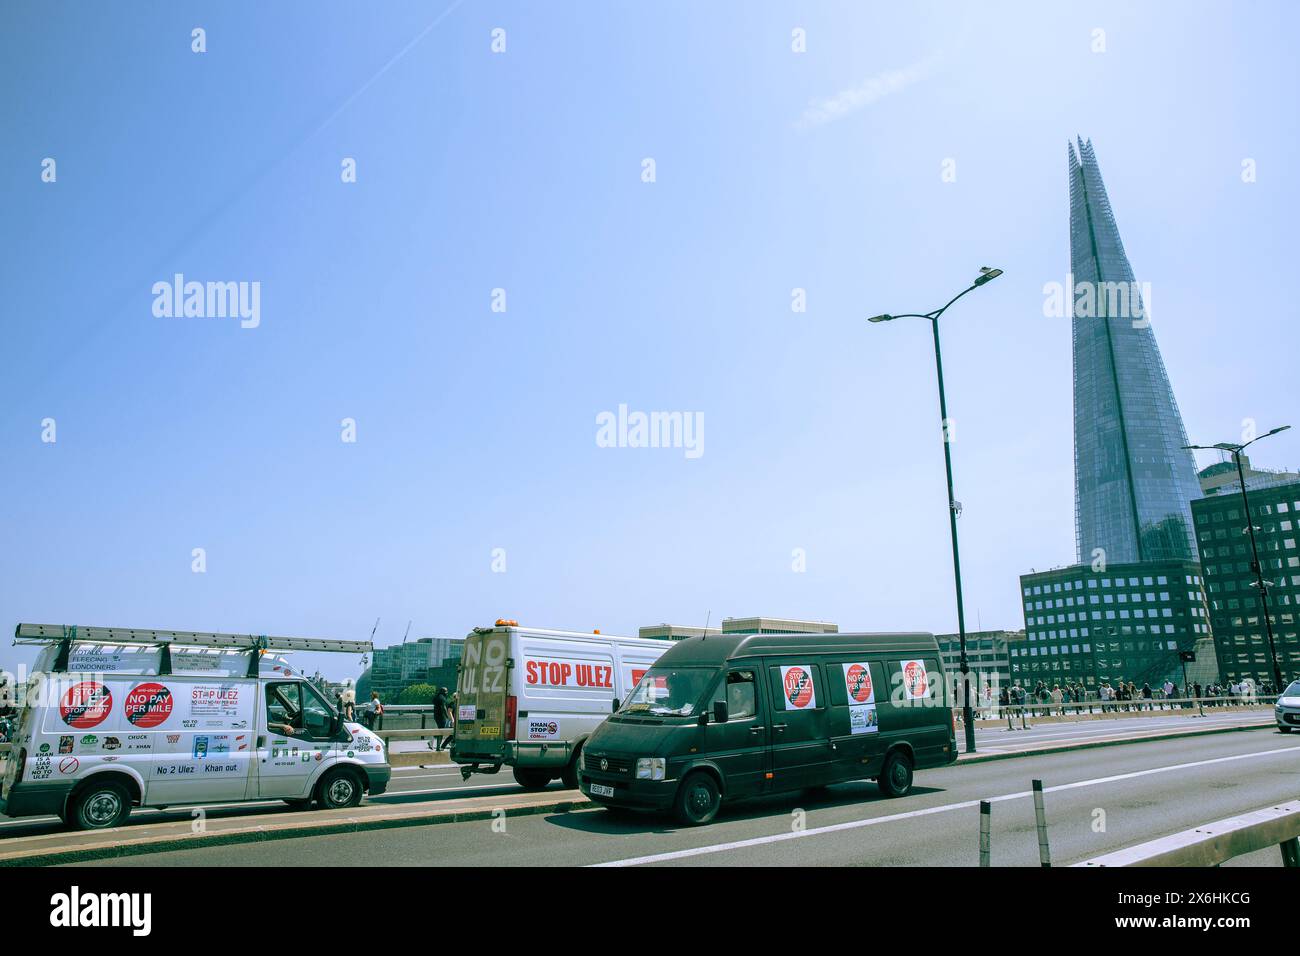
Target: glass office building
(1235,611)
(1133,479)
(1127,622)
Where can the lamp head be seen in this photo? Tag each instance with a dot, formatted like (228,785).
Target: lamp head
(881,318)
(987,274)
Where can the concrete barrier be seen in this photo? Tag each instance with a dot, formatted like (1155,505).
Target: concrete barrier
(414,758)
(1215,843)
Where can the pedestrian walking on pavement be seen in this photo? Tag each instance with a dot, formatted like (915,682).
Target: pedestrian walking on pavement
(442,715)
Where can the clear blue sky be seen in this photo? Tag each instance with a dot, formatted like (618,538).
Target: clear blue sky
(522,170)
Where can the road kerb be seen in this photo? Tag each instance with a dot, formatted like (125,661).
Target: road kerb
(65,847)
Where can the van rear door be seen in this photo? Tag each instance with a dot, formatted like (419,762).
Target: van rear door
(482,689)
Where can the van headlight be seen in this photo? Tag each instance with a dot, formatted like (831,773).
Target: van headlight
(650,768)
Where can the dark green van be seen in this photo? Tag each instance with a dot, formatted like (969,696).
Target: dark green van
(743,715)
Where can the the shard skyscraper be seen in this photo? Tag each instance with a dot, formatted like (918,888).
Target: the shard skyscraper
(1133,480)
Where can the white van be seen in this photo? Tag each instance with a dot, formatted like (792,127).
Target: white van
(118,718)
(529,698)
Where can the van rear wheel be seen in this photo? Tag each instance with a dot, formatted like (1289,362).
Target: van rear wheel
(100,806)
(698,800)
(532,779)
(896,775)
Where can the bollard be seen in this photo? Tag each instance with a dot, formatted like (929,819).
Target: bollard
(986,811)
(1044,852)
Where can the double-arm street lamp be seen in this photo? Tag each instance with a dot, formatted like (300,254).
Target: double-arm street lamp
(1260,583)
(986,275)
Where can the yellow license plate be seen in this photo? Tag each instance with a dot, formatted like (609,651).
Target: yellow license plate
(489,731)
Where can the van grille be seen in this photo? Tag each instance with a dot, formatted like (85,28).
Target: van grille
(595,762)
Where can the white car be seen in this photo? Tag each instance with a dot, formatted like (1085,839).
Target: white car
(1287,708)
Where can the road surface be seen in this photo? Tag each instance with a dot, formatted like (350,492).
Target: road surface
(1097,801)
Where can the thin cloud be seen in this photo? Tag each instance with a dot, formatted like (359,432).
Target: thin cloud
(869,91)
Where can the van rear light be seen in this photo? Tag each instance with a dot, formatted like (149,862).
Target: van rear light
(512,711)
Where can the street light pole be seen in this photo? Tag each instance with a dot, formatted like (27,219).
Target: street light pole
(1258,568)
(986,275)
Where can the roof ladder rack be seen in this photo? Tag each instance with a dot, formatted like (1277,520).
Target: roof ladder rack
(65,635)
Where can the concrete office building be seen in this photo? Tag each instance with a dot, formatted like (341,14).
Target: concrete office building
(988,653)
(739,625)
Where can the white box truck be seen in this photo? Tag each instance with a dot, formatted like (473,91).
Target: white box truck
(116,718)
(529,698)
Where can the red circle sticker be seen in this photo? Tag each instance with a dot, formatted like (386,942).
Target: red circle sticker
(915,678)
(858,680)
(69,765)
(148,705)
(85,704)
(798,687)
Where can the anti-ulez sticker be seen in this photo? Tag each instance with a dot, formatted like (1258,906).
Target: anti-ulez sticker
(797,685)
(861,697)
(916,682)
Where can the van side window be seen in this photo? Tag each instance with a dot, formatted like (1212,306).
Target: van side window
(741,694)
(294,710)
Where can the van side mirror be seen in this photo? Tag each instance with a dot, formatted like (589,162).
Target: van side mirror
(720,712)
(617,704)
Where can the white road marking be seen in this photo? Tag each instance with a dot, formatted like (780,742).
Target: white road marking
(929,811)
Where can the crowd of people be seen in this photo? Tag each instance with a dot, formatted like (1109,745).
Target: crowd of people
(1071,696)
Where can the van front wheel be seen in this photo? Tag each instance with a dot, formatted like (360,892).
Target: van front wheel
(100,806)
(698,800)
(340,790)
(569,776)
(896,775)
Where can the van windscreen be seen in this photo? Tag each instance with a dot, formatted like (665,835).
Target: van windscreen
(669,691)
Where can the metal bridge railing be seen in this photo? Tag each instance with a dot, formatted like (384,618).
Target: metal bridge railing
(1213,844)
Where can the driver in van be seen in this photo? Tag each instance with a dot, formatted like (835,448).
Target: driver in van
(290,723)
(291,726)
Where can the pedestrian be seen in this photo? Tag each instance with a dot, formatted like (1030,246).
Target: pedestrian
(1057,699)
(442,716)
(1147,696)
(375,712)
